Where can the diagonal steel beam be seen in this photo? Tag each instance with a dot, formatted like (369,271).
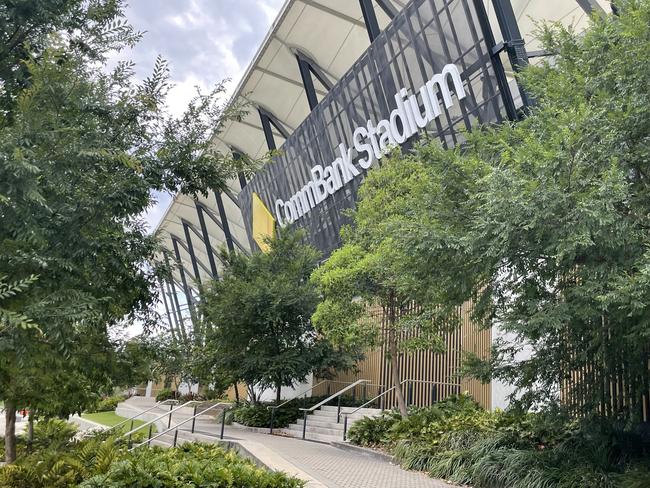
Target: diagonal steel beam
(370,19)
(216,220)
(206,242)
(196,263)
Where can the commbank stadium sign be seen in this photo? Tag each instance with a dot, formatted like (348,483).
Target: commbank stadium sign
(373,141)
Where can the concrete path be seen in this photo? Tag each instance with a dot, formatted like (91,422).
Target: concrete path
(333,467)
(321,465)
(21,423)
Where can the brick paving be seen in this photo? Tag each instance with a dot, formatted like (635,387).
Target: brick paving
(338,468)
(329,466)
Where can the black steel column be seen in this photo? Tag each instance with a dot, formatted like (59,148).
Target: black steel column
(370,19)
(224,221)
(590,6)
(216,220)
(307,82)
(181,271)
(388,8)
(242,180)
(499,71)
(206,241)
(268,132)
(190,250)
(169,317)
(170,283)
(514,43)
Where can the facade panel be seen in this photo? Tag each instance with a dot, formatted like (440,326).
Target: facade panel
(424,38)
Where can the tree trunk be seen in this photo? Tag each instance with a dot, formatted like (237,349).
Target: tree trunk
(394,357)
(278,393)
(10,432)
(236,393)
(397,379)
(30,433)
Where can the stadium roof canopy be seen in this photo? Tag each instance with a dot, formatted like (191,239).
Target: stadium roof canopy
(328,35)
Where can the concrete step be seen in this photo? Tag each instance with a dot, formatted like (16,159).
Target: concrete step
(312,436)
(317,430)
(320,422)
(364,411)
(331,416)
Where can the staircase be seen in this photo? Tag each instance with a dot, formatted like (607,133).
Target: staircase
(322,425)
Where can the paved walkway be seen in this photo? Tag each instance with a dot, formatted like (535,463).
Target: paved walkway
(333,467)
(21,424)
(321,465)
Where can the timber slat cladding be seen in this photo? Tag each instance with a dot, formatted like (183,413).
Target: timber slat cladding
(434,376)
(609,384)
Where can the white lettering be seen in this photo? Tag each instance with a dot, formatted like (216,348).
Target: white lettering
(361,133)
(373,142)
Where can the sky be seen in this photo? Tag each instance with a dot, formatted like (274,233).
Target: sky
(204,42)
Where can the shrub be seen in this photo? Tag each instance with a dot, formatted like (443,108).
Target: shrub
(53,433)
(165,394)
(108,404)
(97,462)
(260,415)
(189,465)
(373,431)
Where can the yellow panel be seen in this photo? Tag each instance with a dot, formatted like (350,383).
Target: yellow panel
(263,223)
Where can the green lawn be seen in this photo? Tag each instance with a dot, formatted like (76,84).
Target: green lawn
(111,418)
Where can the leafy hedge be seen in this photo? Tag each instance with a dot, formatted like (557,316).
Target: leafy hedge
(458,441)
(188,465)
(102,461)
(260,415)
(107,404)
(165,394)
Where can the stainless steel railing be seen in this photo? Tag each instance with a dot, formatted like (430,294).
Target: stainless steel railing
(193,419)
(338,395)
(132,419)
(151,423)
(273,408)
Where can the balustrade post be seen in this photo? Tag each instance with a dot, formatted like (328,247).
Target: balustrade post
(223,422)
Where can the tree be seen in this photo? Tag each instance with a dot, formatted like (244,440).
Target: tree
(258,316)
(544,223)
(370,269)
(81,149)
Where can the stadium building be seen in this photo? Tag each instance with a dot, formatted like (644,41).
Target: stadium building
(333,84)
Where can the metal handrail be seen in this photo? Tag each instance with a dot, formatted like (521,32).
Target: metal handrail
(193,418)
(372,400)
(347,414)
(297,395)
(331,397)
(337,394)
(151,422)
(163,402)
(273,408)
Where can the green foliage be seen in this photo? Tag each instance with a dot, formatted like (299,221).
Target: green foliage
(165,394)
(189,465)
(53,433)
(372,269)
(101,462)
(258,317)
(457,441)
(83,151)
(108,404)
(542,224)
(373,431)
(260,415)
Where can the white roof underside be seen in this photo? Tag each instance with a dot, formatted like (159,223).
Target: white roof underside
(332,33)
